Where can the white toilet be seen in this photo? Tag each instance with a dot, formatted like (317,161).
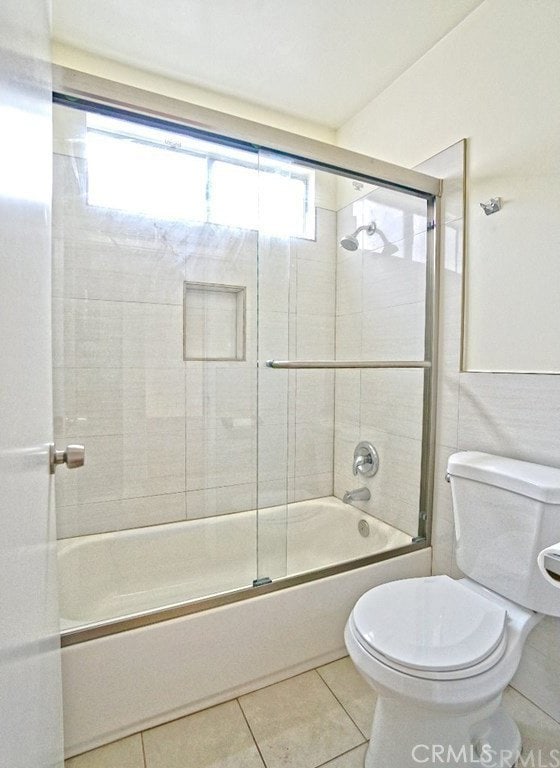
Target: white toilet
(440,652)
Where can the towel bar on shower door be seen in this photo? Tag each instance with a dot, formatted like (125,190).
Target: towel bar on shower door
(348,364)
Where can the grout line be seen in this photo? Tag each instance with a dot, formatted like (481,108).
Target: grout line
(283,680)
(251,732)
(531,703)
(347,752)
(143,749)
(342,705)
(214,706)
(88,299)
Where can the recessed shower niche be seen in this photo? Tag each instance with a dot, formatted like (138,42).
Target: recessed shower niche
(213,321)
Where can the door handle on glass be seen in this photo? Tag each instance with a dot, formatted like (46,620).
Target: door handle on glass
(73,456)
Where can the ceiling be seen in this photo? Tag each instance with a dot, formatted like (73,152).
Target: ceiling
(321,60)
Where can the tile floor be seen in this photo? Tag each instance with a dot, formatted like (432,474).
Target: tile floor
(319,718)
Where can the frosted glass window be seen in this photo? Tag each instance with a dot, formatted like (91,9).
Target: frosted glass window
(282,204)
(129,175)
(234,195)
(277,203)
(145,170)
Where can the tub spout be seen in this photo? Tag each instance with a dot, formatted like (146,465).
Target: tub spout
(359,494)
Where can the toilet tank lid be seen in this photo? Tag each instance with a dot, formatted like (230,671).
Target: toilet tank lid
(536,481)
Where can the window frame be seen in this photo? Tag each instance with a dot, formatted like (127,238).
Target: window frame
(308,230)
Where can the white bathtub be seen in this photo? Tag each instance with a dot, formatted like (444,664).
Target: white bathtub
(124,682)
(111,575)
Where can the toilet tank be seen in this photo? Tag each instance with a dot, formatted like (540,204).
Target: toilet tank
(506,513)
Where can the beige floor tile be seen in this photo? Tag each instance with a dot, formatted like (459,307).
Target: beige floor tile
(539,732)
(126,753)
(214,738)
(298,723)
(353,759)
(349,687)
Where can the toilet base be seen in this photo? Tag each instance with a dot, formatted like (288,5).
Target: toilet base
(408,736)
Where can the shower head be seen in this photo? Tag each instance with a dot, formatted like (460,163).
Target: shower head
(350,242)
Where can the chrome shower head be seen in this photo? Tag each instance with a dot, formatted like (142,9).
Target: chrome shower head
(350,242)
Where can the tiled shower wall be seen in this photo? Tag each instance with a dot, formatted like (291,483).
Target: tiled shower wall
(380,316)
(165,439)
(169,440)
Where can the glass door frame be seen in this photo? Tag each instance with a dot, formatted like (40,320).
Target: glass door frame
(82,90)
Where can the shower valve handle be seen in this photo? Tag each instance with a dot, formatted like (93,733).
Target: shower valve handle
(366,459)
(360,463)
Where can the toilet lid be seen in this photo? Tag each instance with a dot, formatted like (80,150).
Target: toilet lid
(433,623)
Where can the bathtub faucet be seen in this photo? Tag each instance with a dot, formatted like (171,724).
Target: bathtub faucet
(359,494)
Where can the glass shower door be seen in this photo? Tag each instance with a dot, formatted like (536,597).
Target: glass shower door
(182,265)
(155,368)
(342,307)
(296,278)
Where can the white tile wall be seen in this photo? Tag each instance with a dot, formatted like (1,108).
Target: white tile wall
(315,288)
(116,272)
(167,439)
(394,399)
(102,516)
(380,316)
(393,333)
(518,415)
(397,277)
(222,500)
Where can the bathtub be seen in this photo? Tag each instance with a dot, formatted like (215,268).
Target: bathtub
(120,683)
(127,573)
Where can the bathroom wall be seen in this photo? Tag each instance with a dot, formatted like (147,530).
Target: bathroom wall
(446,95)
(380,316)
(168,440)
(513,415)
(493,79)
(82,61)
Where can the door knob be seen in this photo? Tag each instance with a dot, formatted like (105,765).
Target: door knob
(73,456)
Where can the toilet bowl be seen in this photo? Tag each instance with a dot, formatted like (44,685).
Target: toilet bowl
(439,653)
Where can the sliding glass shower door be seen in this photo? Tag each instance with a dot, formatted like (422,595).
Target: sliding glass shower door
(218,313)
(155,370)
(344,361)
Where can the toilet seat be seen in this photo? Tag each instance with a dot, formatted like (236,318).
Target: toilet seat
(434,628)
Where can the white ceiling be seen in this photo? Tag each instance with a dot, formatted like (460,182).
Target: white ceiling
(322,60)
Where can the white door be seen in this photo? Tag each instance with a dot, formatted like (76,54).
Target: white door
(30,689)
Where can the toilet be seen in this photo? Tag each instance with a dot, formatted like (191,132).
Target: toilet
(440,652)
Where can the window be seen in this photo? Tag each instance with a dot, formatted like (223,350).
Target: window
(170,176)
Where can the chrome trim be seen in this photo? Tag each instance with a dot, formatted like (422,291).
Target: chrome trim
(358,494)
(366,460)
(492,206)
(104,629)
(348,364)
(431,340)
(74,456)
(97,90)
(464,264)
